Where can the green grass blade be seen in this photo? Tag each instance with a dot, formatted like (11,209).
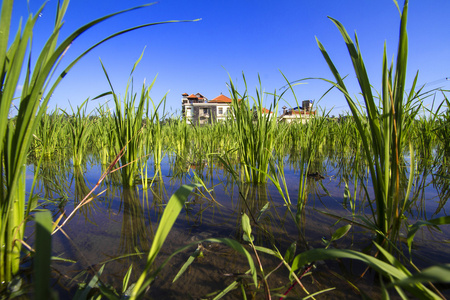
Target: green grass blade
(126,279)
(190,260)
(241,249)
(438,274)
(5,25)
(412,230)
(168,218)
(43,253)
(378,265)
(82,294)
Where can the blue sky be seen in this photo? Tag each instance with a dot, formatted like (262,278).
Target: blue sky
(254,37)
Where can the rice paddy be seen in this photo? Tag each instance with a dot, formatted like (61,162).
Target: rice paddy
(138,204)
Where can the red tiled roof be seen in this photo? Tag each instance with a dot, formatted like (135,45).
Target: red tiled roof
(192,96)
(221,99)
(266,111)
(184,94)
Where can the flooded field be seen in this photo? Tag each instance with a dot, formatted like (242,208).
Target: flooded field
(116,228)
(258,195)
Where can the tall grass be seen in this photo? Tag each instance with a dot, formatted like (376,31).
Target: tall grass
(442,129)
(128,125)
(102,135)
(16,60)
(178,134)
(47,140)
(15,138)
(80,129)
(255,131)
(153,139)
(308,139)
(382,128)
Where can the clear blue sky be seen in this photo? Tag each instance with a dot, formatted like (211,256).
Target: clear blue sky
(250,36)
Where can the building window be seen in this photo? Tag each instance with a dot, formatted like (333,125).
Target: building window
(228,111)
(205,111)
(220,111)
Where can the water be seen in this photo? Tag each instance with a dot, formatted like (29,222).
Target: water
(116,228)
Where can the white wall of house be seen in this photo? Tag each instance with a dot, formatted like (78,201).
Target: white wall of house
(303,118)
(189,111)
(223,111)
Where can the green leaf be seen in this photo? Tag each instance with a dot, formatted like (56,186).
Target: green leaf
(383,268)
(246,238)
(318,293)
(412,230)
(228,289)
(261,212)
(347,195)
(169,217)
(290,253)
(438,273)
(126,279)
(83,293)
(107,291)
(171,212)
(268,251)
(246,227)
(190,260)
(340,232)
(43,221)
(238,247)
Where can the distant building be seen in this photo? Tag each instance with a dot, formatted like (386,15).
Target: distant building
(198,110)
(222,107)
(298,114)
(265,112)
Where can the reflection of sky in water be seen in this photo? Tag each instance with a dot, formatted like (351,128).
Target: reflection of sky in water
(113,225)
(324,194)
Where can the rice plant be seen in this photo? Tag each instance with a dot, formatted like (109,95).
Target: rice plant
(16,59)
(442,129)
(15,139)
(80,130)
(309,138)
(103,136)
(255,129)
(152,139)
(178,133)
(47,140)
(128,125)
(383,129)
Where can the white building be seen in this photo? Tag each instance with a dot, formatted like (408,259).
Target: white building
(298,114)
(198,110)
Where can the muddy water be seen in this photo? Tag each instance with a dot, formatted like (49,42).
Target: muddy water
(116,230)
